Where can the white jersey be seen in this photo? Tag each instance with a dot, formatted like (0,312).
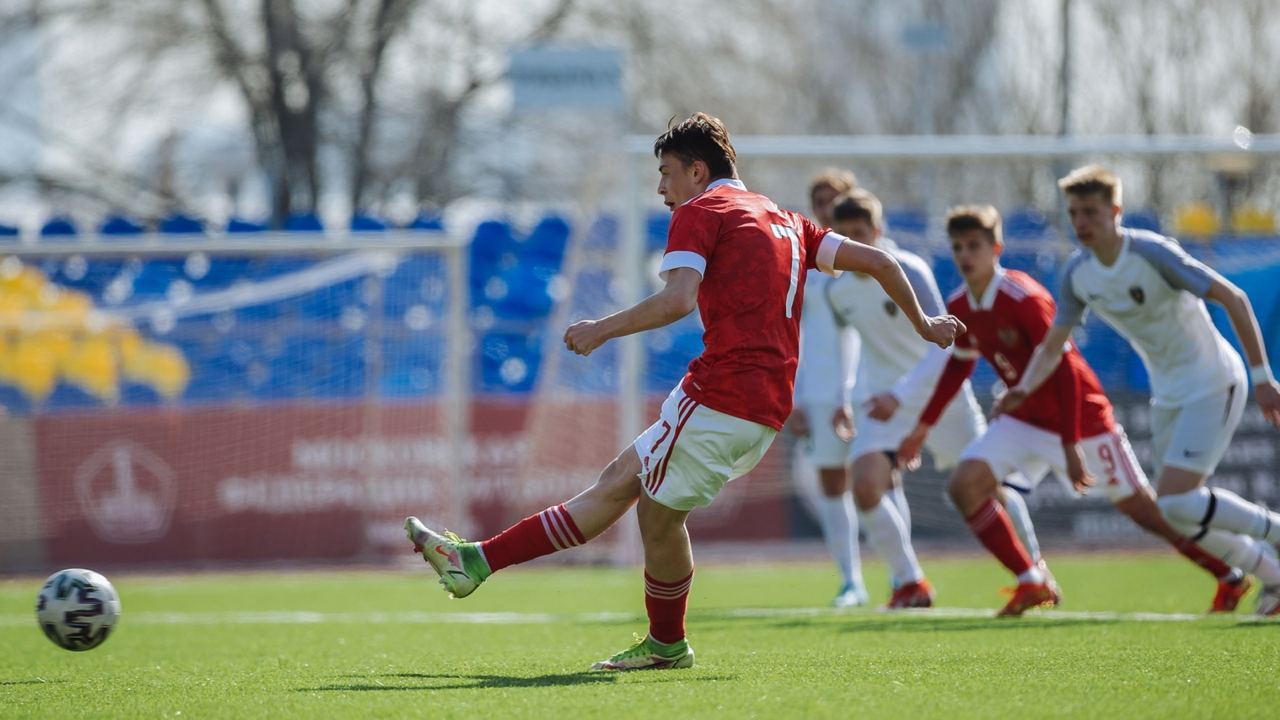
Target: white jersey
(828,353)
(1152,295)
(890,344)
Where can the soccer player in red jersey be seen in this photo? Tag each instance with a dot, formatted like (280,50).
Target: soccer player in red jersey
(1065,426)
(741,260)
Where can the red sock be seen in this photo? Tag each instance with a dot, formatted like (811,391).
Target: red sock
(1211,564)
(666,603)
(537,535)
(991,524)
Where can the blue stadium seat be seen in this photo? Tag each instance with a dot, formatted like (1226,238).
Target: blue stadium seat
(546,244)
(603,234)
(13,401)
(155,277)
(237,225)
(669,352)
(8,233)
(137,395)
(427,221)
(1025,224)
(366,223)
(526,294)
(508,362)
(120,226)
(412,364)
(906,223)
(180,224)
(303,222)
(60,226)
(66,396)
(492,249)
(656,230)
(1142,220)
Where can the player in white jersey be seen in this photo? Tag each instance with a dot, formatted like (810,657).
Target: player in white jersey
(827,352)
(890,349)
(1152,292)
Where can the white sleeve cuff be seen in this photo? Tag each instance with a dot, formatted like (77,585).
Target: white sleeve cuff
(965,353)
(826,259)
(682,259)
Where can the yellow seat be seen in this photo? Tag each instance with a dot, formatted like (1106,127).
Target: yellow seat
(1196,220)
(1253,220)
(35,367)
(91,364)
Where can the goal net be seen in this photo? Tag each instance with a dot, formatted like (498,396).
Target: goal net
(195,401)
(191,401)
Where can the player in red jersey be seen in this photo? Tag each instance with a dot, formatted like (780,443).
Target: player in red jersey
(1065,426)
(742,260)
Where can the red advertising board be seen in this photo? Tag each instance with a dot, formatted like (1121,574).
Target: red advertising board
(327,482)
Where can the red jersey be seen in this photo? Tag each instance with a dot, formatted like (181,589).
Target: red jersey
(1005,326)
(753,257)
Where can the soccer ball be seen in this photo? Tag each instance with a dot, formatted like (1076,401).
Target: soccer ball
(77,608)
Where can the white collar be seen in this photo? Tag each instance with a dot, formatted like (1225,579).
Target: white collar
(989,296)
(731,182)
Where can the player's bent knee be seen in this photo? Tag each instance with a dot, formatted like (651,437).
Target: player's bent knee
(835,481)
(1181,510)
(971,481)
(659,522)
(867,492)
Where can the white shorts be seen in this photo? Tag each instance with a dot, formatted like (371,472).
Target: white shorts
(823,448)
(692,451)
(1011,445)
(959,425)
(1195,436)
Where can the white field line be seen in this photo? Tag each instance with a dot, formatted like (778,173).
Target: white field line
(519,618)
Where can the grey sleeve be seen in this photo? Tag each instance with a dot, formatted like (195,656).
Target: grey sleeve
(1070,307)
(1173,263)
(921,280)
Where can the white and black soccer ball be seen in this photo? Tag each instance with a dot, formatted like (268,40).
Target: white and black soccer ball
(77,609)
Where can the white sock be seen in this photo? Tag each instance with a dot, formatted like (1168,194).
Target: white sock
(1223,510)
(840,528)
(888,535)
(899,497)
(1016,508)
(1032,576)
(1249,554)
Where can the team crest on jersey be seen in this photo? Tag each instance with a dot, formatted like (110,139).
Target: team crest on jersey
(1008,336)
(1137,294)
(890,308)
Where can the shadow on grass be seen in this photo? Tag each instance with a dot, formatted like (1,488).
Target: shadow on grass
(36,681)
(908,624)
(481,681)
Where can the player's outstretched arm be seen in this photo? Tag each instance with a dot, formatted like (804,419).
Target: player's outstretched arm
(1045,359)
(941,330)
(1245,323)
(664,307)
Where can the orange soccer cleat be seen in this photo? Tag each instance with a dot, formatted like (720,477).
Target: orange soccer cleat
(918,594)
(1027,596)
(1229,594)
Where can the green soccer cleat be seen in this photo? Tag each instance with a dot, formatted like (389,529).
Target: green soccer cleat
(460,565)
(649,654)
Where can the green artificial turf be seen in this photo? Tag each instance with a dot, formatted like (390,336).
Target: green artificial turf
(390,644)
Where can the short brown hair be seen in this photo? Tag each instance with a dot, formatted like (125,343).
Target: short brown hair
(976,217)
(701,137)
(841,181)
(858,204)
(1093,180)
